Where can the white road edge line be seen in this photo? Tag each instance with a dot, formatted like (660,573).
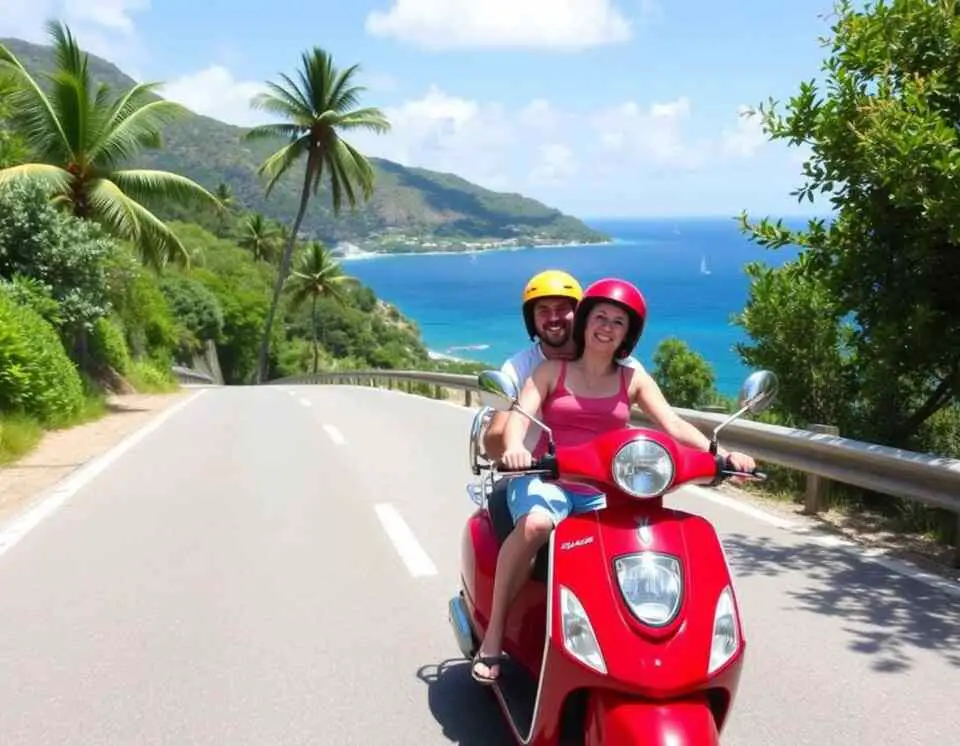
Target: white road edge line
(335,435)
(413,555)
(67,487)
(867,554)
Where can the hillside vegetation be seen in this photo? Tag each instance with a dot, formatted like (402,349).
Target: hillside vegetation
(411,206)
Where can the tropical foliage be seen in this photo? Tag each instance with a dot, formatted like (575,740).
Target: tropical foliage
(78,134)
(864,323)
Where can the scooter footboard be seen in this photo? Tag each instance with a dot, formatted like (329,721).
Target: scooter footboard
(614,719)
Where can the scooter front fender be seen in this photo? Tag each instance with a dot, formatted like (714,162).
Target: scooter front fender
(615,719)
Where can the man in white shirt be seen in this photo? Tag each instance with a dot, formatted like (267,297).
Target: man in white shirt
(549,300)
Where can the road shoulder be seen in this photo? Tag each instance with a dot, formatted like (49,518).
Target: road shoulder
(61,452)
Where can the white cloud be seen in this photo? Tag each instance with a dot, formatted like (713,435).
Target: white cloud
(214,92)
(530,24)
(102,27)
(747,137)
(112,14)
(648,136)
(555,166)
(446,133)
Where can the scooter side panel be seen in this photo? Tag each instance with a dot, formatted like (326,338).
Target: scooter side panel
(525,627)
(478,563)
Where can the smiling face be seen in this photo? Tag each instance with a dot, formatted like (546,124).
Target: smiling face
(606,328)
(553,320)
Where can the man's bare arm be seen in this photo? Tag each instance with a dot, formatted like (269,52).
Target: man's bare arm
(493,436)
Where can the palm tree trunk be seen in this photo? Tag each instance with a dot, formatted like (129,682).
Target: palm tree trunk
(316,346)
(284,270)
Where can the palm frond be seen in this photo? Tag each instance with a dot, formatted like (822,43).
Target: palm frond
(351,167)
(279,163)
(145,184)
(141,128)
(342,95)
(127,218)
(289,103)
(31,111)
(54,179)
(273,132)
(369,118)
(136,98)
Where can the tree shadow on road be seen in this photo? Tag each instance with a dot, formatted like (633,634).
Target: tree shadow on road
(464,709)
(887,614)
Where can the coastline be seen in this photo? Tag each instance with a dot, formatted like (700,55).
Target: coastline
(346,251)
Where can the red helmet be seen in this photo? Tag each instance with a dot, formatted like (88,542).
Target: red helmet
(620,293)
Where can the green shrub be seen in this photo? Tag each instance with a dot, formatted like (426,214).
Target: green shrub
(135,295)
(151,378)
(196,308)
(36,375)
(108,345)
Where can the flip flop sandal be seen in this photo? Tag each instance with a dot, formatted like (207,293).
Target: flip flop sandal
(489,661)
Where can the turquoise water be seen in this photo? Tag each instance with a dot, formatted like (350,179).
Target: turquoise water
(468,305)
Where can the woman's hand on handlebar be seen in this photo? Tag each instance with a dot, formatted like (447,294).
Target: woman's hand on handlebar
(516,458)
(741,462)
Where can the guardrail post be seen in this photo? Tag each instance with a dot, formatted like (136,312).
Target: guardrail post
(818,488)
(956,543)
(467,397)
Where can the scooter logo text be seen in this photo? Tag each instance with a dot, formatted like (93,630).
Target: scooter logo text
(578,543)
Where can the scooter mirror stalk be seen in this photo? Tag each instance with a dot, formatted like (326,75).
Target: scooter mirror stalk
(757,394)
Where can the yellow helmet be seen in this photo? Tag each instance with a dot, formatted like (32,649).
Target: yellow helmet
(551,283)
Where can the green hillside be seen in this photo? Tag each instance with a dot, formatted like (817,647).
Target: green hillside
(412,208)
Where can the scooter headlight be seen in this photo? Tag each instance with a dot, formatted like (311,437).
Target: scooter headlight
(643,468)
(651,585)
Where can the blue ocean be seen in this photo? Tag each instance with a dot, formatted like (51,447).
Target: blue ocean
(690,270)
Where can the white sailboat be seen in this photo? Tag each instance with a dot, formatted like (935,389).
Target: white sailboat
(704,269)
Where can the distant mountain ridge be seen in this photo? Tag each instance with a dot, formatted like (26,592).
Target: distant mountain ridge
(412,208)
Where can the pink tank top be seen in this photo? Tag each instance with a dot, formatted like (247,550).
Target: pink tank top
(577,419)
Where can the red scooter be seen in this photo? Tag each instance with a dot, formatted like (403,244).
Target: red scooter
(627,632)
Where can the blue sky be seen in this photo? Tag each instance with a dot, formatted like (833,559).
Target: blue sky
(597,107)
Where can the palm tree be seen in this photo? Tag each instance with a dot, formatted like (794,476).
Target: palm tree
(317,275)
(224,195)
(258,236)
(78,136)
(315,112)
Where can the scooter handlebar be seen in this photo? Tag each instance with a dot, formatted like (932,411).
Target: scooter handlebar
(546,464)
(724,471)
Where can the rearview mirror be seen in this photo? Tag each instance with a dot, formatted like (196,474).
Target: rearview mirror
(759,391)
(496,390)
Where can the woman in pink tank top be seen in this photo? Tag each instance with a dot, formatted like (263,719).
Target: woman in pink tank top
(578,400)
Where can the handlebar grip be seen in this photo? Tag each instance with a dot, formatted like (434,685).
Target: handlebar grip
(547,463)
(724,472)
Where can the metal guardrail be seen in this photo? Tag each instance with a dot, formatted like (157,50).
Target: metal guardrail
(186,375)
(920,477)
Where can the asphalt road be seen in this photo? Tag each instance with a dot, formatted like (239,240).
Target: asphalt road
(271,566)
